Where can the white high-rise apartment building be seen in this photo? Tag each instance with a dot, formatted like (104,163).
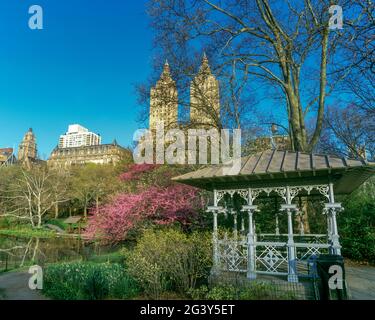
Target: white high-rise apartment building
(78,136)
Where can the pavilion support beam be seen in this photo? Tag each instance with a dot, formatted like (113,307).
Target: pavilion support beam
(329,229)
(215,210)
(292,262)
(235,227)
(215,245)
(332,208)
(277,229)
(251,266)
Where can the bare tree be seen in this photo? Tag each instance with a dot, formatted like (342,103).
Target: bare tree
(349,132)
(31,196)
(60,187)
(284,45)
(361,83)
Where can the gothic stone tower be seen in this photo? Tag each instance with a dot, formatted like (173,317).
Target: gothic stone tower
(27,150)
(204,97)
(164,101)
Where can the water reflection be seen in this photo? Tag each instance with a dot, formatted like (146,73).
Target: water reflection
(18,252)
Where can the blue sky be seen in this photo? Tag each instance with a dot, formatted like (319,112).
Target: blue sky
(81,68)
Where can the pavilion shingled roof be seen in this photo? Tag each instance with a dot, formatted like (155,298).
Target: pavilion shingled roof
(275,167)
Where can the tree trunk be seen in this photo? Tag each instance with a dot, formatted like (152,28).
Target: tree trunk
(303,206)
(56,210)
(85,211)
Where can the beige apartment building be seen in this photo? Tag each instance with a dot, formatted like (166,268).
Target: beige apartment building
(204,99)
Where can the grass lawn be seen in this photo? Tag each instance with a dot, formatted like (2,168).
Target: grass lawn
(26,231)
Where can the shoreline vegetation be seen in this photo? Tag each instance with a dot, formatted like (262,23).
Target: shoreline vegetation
(156,241)
(43,233)
(26,231)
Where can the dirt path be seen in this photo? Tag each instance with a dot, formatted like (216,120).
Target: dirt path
(14,286)
(361,282)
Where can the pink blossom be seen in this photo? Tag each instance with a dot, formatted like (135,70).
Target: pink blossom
(136,170)
(176,203)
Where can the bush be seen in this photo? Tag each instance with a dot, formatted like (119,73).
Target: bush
(59,223)
(88,281)
(357,224)
(251,291)
(113,257)
(170,259)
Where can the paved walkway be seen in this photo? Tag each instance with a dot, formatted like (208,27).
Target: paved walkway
(361,282)
(15,286)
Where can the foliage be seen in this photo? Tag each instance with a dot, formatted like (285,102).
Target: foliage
(58,222)
(113,257)
(72,281)
(138,177)
(135,171)
(34,194)
(348,132)
(162,206)
(27,231)
(357,224)
(31,194)
(154,200)
(169,259)
(92,183)
(253,291)
(267,44)
(5,223)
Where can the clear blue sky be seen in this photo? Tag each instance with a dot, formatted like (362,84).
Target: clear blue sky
(81,68)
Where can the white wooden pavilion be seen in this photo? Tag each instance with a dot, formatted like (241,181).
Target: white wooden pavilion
(285,175)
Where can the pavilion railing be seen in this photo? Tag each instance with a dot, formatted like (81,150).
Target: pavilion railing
(306,238)
(271,257)
(232,255)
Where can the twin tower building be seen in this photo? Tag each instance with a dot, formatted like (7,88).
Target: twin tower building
(204,99)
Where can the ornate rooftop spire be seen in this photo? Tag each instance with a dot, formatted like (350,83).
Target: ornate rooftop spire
(166,74)
(164,99)
(205,67)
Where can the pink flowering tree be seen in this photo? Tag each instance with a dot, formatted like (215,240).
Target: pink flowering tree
(150,203)
(136,171)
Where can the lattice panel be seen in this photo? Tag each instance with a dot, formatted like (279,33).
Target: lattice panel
(233,256)
(271,259)
(309,252)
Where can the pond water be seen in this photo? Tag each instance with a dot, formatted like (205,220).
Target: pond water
(16,252)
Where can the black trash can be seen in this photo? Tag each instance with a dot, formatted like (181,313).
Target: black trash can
(333,284)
